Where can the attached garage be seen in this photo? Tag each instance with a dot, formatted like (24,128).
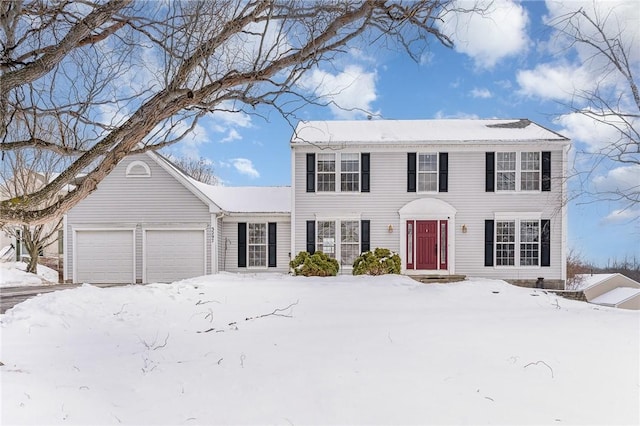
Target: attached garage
(104,256)
(173,254)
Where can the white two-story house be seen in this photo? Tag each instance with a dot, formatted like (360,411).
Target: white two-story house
(481,198)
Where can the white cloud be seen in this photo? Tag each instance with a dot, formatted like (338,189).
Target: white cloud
(578,68)
(623,215)
(245,167)
(557,81)
(351,91)
(488,37)
(582,128)
(481,93)
(232,135)
(620,179)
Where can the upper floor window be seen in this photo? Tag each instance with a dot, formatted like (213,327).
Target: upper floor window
(346,165)
(518,171)
(349,172)
(326,172)
(427,172)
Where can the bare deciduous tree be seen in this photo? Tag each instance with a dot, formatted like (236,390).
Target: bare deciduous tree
(605,45)
(200,169)
(120,77)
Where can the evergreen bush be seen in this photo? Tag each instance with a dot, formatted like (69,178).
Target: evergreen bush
(317,264)
(378,262)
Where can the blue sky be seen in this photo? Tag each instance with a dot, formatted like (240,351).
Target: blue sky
(508,64)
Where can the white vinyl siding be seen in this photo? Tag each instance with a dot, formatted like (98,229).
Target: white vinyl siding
(466,192)
(228,243)
(158,201)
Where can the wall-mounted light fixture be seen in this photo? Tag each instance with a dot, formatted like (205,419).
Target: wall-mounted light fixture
(464,229)
(390,228)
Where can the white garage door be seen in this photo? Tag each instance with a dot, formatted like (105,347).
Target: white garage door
(172,255)
(104,256)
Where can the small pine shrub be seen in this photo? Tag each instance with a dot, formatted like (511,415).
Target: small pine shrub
(317,264)
(378,262)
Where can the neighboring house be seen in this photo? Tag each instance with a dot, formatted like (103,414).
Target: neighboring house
(614,290)
(10,235)
(482,198)
(149,222)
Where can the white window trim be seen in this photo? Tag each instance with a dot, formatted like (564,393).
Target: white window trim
(337,246)
(518,172)
(517,217)
(138,163)
(437,172)
(266,245)
(338,174)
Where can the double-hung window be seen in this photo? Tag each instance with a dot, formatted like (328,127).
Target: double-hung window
(349,172)
(349,241)
(333,166)
(427,172)
(257,245)
(326,172)
(517,242)
(326,238)
(347,232)
(530,171)
(518,171)
(506,171)
(529,243)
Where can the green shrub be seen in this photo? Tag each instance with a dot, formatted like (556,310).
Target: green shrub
(314,265)
(378,262)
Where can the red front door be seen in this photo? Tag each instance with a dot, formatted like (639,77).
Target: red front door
(427,244)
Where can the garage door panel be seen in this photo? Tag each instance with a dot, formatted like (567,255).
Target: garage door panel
(172,255)
(104,256)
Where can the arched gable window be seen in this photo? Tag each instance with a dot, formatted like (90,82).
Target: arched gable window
(138,169)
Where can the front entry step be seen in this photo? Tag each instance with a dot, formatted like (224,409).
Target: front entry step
(432,279)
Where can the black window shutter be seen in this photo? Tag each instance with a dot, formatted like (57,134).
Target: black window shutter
(242,245)
(546,171)
(411,172)
(545,242)
(272,244)
(311,173)
(443,184)
(365,239)
(311,236)
(488,243)
(364,172)
(490,164)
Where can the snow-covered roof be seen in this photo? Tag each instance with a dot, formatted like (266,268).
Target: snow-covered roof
(587,281)
(236,199)
(416,131)
(616,296)
(248,199)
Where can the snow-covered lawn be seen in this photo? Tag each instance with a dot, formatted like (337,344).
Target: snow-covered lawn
(12,274)
(274,349)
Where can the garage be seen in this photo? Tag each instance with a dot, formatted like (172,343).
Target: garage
(104,256)
(173,254)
